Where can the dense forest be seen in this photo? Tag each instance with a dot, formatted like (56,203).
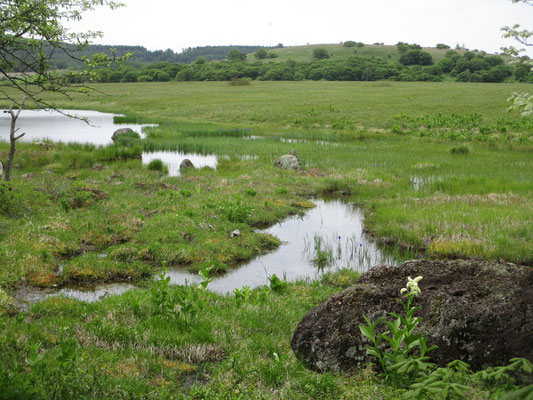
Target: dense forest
(143,56)
(413,64)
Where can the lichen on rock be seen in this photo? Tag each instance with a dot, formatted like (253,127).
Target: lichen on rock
(476,311)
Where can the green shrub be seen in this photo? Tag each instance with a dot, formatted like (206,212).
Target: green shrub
(144,78)
(236,210)
(163,77)
(349,43)
(11,199)
(416,57)
(261,54)
(250,192)
(236,56)
(155,165)
(320,54)
(276,284)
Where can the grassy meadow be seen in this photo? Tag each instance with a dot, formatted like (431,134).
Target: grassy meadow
(439,168)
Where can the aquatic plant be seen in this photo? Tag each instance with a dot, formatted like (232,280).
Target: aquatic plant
(276,284)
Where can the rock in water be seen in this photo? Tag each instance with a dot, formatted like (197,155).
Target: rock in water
(476,311)
(289,161)
(126,132)
(186,163)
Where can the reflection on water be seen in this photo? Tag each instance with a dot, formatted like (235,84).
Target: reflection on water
(44,124)
(339,227)
(173,159)
(88,294)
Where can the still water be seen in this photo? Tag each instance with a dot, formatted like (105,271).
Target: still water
(39,125)
(332,228)
(173,159)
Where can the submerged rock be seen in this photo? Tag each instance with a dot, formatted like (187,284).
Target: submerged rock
(479,312)
(289,161)
(186,164)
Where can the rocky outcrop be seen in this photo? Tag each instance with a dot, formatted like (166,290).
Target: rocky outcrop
(479,312)
(186,164)
(289,161)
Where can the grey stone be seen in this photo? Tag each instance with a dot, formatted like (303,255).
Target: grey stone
(124,132)
(289,161)
(186,163)
(476,311)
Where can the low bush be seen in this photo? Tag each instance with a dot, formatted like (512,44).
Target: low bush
(155,165)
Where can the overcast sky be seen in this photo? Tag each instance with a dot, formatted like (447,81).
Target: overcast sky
(174,24)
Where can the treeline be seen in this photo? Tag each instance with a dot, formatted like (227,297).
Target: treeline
(414,65)
(141,56)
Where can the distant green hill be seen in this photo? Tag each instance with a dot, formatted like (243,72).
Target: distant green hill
(385,52)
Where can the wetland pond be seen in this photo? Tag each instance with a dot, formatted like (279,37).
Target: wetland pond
(327,237)
(40,125)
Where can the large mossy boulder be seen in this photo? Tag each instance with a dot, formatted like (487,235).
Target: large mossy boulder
(479,312)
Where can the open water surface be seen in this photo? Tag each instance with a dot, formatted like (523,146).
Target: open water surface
(41,125)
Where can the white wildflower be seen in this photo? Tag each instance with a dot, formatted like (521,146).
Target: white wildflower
(412,286)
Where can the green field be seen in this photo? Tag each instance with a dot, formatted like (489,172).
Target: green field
(438,168)
(269,107)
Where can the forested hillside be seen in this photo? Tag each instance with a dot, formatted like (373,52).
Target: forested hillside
(143,56)
(403,62)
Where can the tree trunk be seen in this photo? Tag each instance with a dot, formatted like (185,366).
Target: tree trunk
(12,141)
(13,138)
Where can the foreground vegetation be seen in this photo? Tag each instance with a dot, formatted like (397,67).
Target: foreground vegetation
(436,167)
